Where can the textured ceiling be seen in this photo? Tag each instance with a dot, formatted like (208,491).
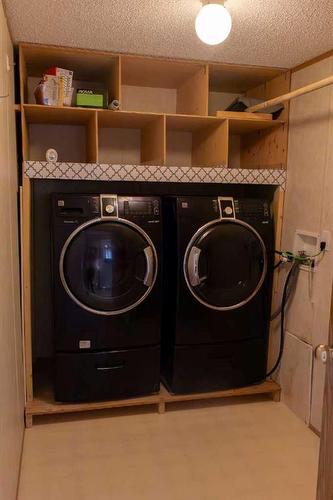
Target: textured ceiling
(280,33)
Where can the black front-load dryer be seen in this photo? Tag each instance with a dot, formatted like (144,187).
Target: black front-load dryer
(217,292)
(106,275)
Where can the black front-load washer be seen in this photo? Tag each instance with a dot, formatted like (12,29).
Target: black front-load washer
(217,272)
(106,276)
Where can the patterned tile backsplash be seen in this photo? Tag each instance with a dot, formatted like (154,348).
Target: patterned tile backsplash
(148,173)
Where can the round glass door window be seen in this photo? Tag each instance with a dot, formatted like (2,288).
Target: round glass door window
(225,264)
(108,267)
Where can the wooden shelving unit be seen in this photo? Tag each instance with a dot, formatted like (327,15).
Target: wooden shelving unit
(177,92)
(168,117)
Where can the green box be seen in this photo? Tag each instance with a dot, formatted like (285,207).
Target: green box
(91,98)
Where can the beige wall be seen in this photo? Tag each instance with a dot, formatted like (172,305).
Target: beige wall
(11,378)
(309,206)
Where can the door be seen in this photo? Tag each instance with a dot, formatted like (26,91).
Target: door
(325,470)
(225,264)
(108,267)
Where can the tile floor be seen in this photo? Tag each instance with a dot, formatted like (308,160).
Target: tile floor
(252,449)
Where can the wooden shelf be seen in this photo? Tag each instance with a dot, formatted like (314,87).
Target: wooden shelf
(44,404)
(245,123)
(126,119)
(242,127)
(36,113)
(191,123)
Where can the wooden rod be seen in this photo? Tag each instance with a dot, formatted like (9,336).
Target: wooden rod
(295,93)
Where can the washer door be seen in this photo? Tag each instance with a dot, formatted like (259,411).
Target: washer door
(108,267)
(225,264)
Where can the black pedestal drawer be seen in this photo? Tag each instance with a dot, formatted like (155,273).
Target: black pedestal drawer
(206,368)
(107,375)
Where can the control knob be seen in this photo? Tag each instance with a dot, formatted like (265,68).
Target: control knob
(228,211)
(109,209)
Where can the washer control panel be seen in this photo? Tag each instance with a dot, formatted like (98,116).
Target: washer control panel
(227,207)
(109,205)
(73,208)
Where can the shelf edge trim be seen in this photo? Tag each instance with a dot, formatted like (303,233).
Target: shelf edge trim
(154,173)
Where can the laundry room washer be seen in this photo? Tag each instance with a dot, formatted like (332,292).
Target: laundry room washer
(107,296)
(218,262)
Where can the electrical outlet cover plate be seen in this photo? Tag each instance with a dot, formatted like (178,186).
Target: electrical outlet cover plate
(307,242)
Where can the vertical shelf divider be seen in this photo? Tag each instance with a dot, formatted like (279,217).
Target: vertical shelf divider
(192,94)
(210,145)
(153,142)
(115,81)
(92,138)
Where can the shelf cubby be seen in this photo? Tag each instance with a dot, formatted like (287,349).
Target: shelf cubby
(71,131)
(229,81)
(131,138)
(196,141)
(164,86)
(251,144)
(91,69)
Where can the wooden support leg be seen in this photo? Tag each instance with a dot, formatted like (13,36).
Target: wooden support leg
(276,396)
(161,407)
(28,421)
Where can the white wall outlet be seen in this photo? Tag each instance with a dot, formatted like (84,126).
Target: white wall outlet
(307,244)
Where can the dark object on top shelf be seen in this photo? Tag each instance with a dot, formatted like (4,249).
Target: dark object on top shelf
(242,103)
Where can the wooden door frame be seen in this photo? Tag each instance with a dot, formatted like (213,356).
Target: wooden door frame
(325,468)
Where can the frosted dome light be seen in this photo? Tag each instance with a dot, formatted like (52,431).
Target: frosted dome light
(213,23)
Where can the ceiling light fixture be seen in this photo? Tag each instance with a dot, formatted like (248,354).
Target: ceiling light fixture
(213,22)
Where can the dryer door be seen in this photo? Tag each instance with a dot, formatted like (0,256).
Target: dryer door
(108,267)
(225,264)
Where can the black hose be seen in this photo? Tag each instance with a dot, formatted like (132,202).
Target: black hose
(283,307)
(278,264)
(290,288)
